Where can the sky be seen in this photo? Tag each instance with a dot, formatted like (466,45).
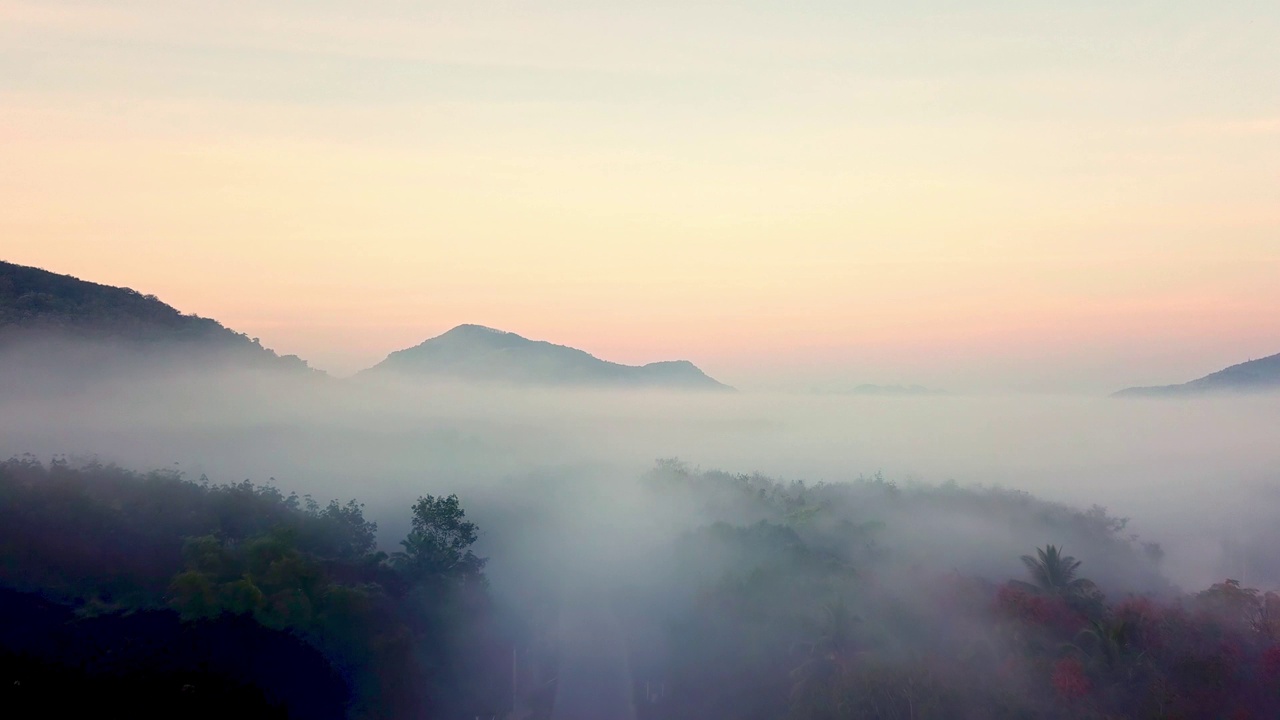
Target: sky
(974,196)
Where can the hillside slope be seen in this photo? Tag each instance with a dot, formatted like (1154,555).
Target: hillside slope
(479,354)
(1259,375)
(50,318)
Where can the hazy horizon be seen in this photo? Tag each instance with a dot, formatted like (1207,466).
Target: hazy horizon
(807,375)
(1192,474)
(996,198)
(994,215)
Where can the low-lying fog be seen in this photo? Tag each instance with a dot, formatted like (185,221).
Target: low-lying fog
(1191,474)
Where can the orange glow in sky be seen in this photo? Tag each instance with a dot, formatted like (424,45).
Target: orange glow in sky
(1005,196)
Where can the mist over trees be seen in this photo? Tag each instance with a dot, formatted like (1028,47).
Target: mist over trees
(500,551)
(739,596)
(806,608)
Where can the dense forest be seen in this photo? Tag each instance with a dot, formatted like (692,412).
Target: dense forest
(806,614)
(155,594)
(128,593)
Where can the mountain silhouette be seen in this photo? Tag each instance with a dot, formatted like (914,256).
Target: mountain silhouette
(1254,376)
(60,323)
(480,354)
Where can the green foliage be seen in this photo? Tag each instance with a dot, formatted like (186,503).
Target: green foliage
(438,545)
(105,540)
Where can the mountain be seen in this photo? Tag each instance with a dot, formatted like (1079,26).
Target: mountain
(1254,376)
(59,322)
(480,354)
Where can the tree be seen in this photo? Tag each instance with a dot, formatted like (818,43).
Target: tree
(1236,606)
(1053,573)
(438,545)
(1111,639)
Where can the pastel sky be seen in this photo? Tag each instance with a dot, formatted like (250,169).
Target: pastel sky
(980,195)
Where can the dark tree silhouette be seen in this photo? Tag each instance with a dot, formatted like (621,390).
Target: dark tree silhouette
(438,545)
(1053,573)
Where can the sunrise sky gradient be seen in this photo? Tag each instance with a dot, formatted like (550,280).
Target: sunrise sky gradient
(982,195)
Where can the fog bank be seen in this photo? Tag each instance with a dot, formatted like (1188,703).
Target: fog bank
(1192,475)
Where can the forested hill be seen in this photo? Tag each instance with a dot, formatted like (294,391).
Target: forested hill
(475,353)
(216,601)
(1261,375)
(38,307)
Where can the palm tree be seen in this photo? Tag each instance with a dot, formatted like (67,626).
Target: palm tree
(1053,573)
(1111,638)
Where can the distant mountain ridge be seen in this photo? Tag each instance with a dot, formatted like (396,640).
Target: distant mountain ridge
(477,353)
(1259,375)
(42,312)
